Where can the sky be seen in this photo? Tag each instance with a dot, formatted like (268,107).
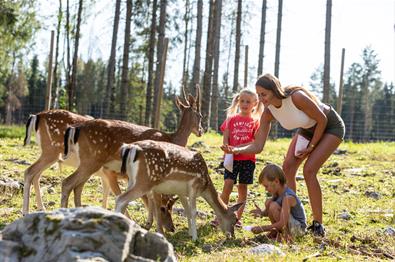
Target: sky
(356,24)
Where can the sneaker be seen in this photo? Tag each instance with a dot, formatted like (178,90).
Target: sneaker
(317,229)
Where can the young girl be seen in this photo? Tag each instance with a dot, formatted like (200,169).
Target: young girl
(239,128)
(284,209)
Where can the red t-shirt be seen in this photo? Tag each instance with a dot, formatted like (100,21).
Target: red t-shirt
(242,130)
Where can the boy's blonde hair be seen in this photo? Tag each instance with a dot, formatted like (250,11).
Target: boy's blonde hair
(234,107)
(271,172)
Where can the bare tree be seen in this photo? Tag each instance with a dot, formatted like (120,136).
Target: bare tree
(159,53)
(237,52)
(125,59)
(75,56)
(151,51)
(278,38)
(68,64)
(327,59)
(215,89)
(55,102)
(110,88)
(198,43)
(262,38)
(184,62)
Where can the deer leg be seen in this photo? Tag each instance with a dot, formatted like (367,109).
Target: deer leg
(131,194)
(32,174)
(149,206)
(187,211)
(157,200)
(192,204)
(76,182)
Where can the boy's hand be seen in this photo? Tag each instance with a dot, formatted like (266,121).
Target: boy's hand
(257,212)
(257,229)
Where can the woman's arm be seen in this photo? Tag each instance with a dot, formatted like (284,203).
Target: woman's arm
(260,137)
(304,103)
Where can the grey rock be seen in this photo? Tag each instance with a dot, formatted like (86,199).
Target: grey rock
(9,186)
(373,194)
(81,234)
(345,215)
(389,231)
(267,249)
(299,178)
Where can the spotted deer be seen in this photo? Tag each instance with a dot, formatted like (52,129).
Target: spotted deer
(96,143)
(165,168)
(50,127)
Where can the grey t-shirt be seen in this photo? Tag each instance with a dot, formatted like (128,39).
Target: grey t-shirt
(297,211)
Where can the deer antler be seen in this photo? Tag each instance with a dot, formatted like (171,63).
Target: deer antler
(185,96)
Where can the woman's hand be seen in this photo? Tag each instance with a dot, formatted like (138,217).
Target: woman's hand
(304,152)
(228,149)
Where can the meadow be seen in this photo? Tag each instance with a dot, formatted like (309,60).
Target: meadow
(357,183)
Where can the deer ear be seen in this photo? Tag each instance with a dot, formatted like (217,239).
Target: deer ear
(235,207)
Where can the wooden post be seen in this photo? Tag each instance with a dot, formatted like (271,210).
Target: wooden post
(340,95)
(49,80)
(246,66)
(161,77)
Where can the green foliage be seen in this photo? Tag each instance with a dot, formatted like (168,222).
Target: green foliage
(346,180)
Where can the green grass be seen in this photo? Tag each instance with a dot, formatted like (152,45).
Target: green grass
(344,180)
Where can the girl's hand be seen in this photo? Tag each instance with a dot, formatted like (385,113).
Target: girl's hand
(227,149)
(257,229)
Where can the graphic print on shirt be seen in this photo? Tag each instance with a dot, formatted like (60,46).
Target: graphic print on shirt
(242,131)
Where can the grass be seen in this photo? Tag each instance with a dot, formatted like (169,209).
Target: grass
(346,180)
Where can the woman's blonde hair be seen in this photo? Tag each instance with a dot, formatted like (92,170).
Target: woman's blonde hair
(270,82)
(234,107)
(271,172)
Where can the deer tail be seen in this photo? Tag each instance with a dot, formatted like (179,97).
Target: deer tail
(31,123)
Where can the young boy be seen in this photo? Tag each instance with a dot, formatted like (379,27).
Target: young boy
(284,209)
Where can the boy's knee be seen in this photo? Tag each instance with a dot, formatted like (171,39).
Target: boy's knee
(274,207)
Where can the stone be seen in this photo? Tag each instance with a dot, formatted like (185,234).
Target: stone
(344,215)
(9,186)
(373,194)
(389,231)
(267,249)
(81,234)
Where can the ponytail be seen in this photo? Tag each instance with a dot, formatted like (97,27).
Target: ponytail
(233,109)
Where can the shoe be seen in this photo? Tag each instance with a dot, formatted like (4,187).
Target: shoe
(238,224)
(317,229)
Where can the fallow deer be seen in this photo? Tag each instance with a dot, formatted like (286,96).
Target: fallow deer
(50,127)
(96,143)
(161,167)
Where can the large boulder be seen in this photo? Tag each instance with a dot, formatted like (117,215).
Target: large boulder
(81,234)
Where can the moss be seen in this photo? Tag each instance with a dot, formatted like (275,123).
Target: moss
(25,251)
(54,223)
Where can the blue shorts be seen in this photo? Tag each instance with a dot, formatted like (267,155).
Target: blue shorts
(244,169)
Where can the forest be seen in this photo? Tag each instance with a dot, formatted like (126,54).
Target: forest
(128,84)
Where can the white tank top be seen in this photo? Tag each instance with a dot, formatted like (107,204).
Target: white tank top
(290,117)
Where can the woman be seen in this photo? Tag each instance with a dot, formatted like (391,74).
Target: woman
(296,107)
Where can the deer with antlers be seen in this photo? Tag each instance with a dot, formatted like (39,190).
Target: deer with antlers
(96,143)
(161,167)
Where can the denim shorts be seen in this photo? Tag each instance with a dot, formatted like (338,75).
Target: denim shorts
(244,169)
(335,126)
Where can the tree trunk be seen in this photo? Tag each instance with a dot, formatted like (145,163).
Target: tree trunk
(184,62)
(262,38)
(159,53)
(215,91)
(327,60)
(125,63)
(208,70)
(198,44)
(278,39)
(55,87)
(75,57)
(237,52)
(68,64)
(151,51)
(110,92)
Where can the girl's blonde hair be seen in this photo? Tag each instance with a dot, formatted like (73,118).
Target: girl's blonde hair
(271,172)
(270,82)
(234,107)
